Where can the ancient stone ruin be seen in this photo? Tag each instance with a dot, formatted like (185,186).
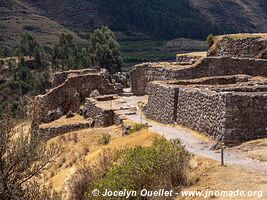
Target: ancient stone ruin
(230,104)
(71,89)
(221,93)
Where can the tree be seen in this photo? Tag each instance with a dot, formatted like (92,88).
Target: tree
(104,50)
(38,55)
(85,61)
(28,44)
(65,52)
(22,158)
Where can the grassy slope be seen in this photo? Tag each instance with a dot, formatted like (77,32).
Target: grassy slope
(205,174)
(17,17)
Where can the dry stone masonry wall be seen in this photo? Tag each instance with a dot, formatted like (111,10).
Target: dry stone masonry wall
(101,117)
(240,46)
(162,101)
(142,74)
(216,110)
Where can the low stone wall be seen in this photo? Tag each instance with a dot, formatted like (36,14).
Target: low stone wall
(101,117)
(242,46)
(71,94)
(60,77)
(142,74)
(51,132)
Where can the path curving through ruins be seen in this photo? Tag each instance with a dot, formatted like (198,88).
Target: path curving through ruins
(194,144)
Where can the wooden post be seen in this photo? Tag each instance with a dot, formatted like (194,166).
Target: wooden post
(222,154)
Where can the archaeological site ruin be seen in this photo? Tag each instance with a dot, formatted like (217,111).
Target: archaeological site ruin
(230,104)
(221,93)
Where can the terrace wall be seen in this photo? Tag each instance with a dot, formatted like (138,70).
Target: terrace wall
(142,74)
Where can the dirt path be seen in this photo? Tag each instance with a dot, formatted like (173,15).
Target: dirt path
(202,148)
(194,144)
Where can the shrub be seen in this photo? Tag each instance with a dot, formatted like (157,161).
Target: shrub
(105,139)
(137,127)
(210,40)
(161,166)
(22,159)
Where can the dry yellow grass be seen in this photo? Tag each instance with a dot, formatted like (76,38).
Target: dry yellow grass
(199,53)
(65,121)
(80,146)
(207,174)
(256,149)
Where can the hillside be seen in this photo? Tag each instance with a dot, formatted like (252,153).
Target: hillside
(240,15)
(17,17)
(166,19)
(142,27)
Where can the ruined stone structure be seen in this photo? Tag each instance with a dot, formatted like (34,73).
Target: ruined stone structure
(229,108)
(72,92)
(229,104)
(241,46)
(142,74)
(60,77)
(102,117)
(190,58)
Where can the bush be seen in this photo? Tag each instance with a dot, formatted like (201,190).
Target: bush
(162,166)
(210,40)
(137,127)
(105,139)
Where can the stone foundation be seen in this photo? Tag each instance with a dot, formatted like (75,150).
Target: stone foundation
(51,132)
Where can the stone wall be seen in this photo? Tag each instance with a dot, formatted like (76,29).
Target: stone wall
(216,110)
(101,117)
(246,117)
(202,110)
(162,101)
(51,132)
(142,74)
(251,46)
(60,77)
(71,94)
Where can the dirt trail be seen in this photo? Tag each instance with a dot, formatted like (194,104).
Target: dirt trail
(195,144)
